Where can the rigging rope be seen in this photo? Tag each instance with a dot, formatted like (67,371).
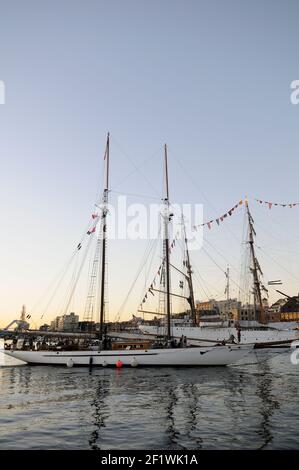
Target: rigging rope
(150,247)
(78,275)
(136,167)
(221,269)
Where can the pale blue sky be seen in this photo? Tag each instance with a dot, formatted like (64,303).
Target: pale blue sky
(211,78)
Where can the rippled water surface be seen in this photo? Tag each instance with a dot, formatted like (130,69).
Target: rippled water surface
(249,407)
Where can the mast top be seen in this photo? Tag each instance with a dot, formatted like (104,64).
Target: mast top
(106,157)
(166,172)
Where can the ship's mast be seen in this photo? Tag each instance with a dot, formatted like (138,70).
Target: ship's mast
(104,240)
(227,290)
(166,244)
(227,284)
(256,270)
(189,273)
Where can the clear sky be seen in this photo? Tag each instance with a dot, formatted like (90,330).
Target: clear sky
(210,78)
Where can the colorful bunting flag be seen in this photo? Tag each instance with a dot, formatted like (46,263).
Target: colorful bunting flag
(277,204)
(219,219)
(91,231)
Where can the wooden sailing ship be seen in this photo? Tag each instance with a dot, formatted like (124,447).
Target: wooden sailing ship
(163,352)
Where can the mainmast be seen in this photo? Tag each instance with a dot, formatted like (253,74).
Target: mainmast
(190,281)
(104,240)
(166,244)
(227,290)
(256,270)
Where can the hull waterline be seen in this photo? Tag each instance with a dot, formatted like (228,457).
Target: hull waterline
(205,356)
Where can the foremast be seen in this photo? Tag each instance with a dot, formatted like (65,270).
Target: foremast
(166,244)
(255,268)
(189,276)
(104,240)
(227,291)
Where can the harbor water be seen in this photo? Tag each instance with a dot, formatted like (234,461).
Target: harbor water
(251,406)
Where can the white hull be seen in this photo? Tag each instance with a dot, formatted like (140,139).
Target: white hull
(205,356)
(198,335)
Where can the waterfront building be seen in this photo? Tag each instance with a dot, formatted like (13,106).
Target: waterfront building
(65,323)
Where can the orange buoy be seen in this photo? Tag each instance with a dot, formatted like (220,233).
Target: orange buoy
(119,363)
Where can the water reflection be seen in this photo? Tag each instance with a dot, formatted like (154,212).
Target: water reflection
(192,413)
(171,431)
(269,405)
(98,414)
(179,398)
(228,408)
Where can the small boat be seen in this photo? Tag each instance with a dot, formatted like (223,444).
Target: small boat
(165,352)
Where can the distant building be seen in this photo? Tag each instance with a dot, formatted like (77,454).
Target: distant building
(247,313)
(250,312)
(276,307)
(227,308)
(290,310)
(207,311)
(68,323)
(55,324)
(291,305)
(274,312)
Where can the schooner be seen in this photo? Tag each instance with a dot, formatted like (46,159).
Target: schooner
(144,353)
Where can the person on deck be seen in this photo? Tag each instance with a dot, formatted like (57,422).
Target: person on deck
(239,333)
